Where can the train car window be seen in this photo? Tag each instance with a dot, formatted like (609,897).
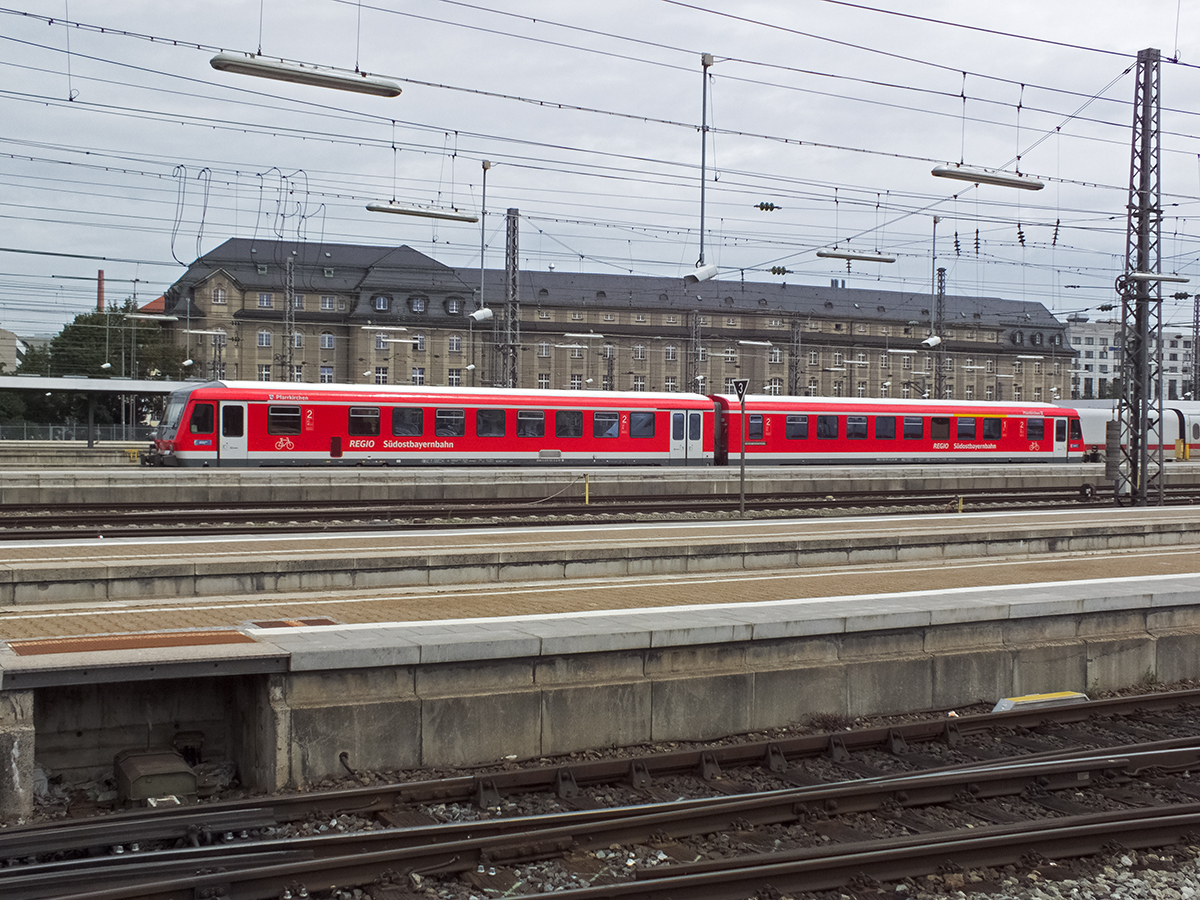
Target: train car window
(1060,429)
(1035,429)
(677,426)
(1195,431)
(966,428)
(856,428)
(755,427)
(914,428)
(449,423)
(531,423)
(991,429)
(827,426)
(408,421)
(606,425)
(1076,430)
(797,428)
(489,422)
(695,426)
(568,423)
(939,428)
(364,421)
(283,420)
(232,421)
(885,428)
(203,419)
(641,424)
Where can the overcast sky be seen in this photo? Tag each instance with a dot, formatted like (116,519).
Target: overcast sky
(134,155)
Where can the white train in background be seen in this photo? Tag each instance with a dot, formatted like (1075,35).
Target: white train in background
(1181,421)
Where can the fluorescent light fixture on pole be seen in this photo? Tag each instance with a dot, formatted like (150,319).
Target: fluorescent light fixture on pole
(851,255)
(301,73)
(423,212)
(988,176)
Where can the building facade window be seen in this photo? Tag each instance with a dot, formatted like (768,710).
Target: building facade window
(218,296)
(812,387)
(861,390)
(326,374)
(576,382)
(454,377)
(775,387)
(639,351)
(264,338)
(814,358)
(264,371)
(418,374)
(326,340)
(576,353)
(297,301)
(265,300)
(730,355)
(543,381)
(775,355)
(544,349)
(381,374)
(381,340)
(670,385)
(453,306)
(670,352)
(297,339)
(327,303)
(454,343)
(730,387)
(639,382)
(298,372)
(417,304)
(419,343)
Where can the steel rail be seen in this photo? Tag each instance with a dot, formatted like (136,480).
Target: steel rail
(356,859)
(777,754)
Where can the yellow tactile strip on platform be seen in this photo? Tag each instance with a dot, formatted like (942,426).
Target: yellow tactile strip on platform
(128,642)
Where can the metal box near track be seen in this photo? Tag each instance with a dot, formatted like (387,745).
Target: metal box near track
(147,774)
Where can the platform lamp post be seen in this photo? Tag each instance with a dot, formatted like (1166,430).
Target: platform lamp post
(702,272)
(740,385)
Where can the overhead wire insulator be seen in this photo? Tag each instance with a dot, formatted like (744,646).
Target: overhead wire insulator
(1020,235)
(767,207)
(976,241)
(1054,240)
(957,246)
(780,270)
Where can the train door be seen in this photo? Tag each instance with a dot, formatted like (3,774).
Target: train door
(1060,439)
(687,437)
(233,432)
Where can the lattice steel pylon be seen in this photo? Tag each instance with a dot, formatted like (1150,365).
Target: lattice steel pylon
(794,359)
(508,329)
(1139,472)
(289,320)
(939,329)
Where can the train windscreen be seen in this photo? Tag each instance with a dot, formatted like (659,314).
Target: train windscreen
(170,420)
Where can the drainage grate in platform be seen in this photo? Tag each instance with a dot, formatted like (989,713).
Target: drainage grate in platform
(293,623)
(148,641)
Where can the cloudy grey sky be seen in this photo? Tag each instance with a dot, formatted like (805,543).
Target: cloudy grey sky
(120,142)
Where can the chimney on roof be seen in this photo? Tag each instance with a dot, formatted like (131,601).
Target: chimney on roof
(100,290)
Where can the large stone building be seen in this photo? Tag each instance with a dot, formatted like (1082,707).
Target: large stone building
(372,315)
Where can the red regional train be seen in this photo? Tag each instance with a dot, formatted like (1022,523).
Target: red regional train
(271,424)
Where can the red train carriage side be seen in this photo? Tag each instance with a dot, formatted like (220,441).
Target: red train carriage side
(263,424)
(791,430)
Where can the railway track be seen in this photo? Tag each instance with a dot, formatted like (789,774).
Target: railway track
(796,814)
(138,519)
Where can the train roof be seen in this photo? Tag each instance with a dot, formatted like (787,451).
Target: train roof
(285,390)
(850,403)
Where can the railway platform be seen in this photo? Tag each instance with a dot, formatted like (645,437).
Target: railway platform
(731,633)
(125,484)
